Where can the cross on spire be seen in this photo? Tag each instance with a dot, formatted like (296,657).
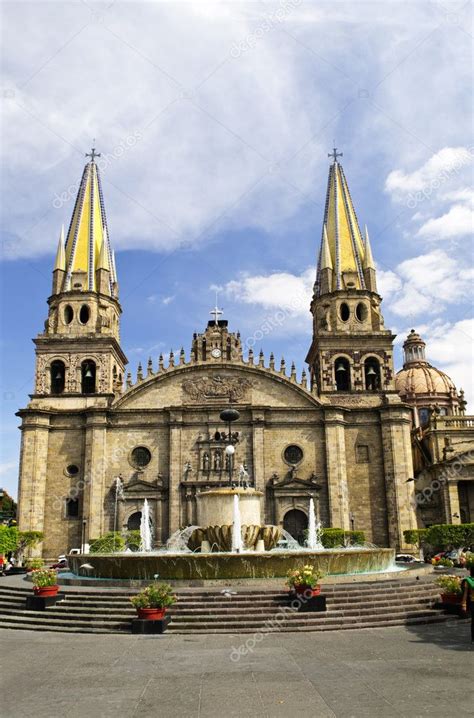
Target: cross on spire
(92,154)
(335,154)
(216,312)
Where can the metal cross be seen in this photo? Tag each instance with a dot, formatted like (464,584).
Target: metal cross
(335,154)
(92,154)
(216,312)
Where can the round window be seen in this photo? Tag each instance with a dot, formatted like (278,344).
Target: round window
(68,314)
(141,456)
(72,470)
(293,454)
(361,312)
(84,314)
(344,312)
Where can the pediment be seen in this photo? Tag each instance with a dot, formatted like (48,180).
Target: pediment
(142,486)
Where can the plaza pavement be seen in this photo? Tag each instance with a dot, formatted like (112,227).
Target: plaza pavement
(387,672)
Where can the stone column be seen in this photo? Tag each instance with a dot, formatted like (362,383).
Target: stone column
(95,474)
(33,474)
(338,495)
(175,470)
(451,503)
(398,467)
(258,456)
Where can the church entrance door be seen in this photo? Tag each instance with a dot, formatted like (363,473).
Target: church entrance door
(295,522)
(133,523)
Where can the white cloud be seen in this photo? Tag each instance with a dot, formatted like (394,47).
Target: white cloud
(457,222)
(280,290)
(429,282)
(7,467)
(388,282)
(433,174)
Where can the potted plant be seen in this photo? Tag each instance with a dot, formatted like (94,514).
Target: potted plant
(305,580)
(152,602)
(45,582)
(33,564)
(451,591)
(440,563)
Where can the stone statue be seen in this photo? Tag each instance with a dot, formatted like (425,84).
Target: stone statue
(243,476)
(206,462)
(217,460)
(187,469)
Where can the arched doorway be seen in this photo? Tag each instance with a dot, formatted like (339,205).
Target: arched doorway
(133,523)
(296,522)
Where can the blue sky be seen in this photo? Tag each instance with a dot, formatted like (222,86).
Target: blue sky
(214,121)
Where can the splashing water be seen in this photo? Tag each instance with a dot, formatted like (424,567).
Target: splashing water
(178,542)
(314,529)
(146,538)
(237,544)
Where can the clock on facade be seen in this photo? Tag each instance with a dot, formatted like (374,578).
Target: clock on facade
(216,353)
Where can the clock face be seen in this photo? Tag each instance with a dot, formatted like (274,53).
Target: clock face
(216,353)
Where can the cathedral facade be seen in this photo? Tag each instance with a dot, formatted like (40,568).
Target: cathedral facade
(340,433)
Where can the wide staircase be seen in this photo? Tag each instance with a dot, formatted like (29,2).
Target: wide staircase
(232,610)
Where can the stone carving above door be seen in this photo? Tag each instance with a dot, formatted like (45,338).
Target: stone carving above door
(217,387)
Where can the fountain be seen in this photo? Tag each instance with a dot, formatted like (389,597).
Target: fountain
(237,544)
(146,538)
(313,541)
(230,541)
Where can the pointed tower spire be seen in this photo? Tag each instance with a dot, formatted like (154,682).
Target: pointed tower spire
(87,232)
(369,265)
(59,271)
(325,273)
(60,262)
(341,234)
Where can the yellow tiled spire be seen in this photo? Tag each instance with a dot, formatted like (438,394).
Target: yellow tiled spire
(87,233)
(341,233)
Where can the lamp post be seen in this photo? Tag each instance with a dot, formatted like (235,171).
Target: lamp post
(230,415)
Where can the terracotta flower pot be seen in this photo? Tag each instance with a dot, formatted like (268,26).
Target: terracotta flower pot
(45,590)
(451,598)
(151,614)
(307,591)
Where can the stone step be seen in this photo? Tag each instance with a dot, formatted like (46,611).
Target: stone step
(437,618)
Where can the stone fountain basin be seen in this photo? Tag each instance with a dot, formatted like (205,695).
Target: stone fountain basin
(202,566)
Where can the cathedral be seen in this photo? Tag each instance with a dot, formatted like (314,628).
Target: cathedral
(349,433)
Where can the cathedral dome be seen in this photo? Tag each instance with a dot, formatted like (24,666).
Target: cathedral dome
(423,385)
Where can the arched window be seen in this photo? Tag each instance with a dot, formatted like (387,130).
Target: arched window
(372,374)
(229,349)
(72,508)
(342,374)
(58,377)
(88,373)
(134,521)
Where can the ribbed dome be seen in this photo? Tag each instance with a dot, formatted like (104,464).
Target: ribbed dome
(422,378)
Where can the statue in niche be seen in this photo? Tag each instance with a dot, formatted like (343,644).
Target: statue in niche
(206,462)
(217,460)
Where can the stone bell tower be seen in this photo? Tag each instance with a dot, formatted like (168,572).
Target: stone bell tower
(79,351)
(351,350)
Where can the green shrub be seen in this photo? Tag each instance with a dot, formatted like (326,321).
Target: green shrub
(415,537)
(111,542)
(132,539)
(331,538)
(9,536)
(442,536)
